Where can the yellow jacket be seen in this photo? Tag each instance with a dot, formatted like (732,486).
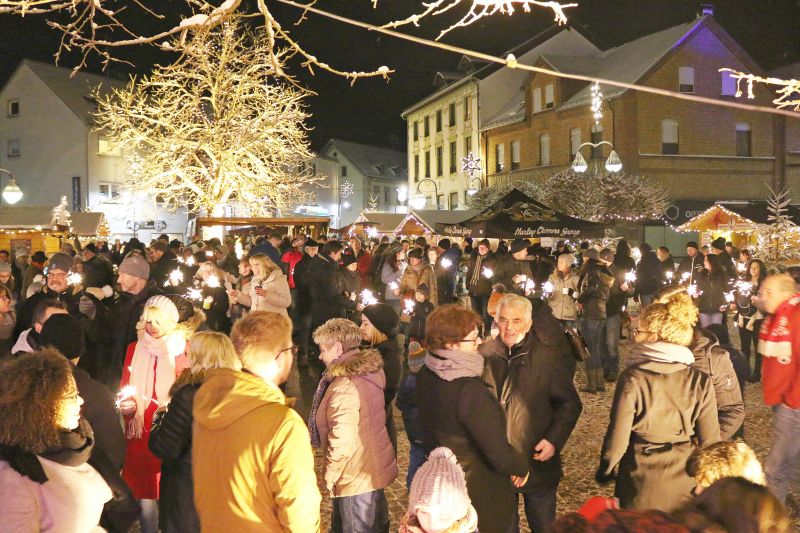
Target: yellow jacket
(251,458)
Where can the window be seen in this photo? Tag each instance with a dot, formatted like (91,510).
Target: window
(574,142)
(439,161)
(467,145)
(416,130)
(549,98)
(515,155)
(544,150)
(12,108)
(107,147)
(427,126)
(453,200)
(743,140)
(597,136)
(451,115)
(440,201)
(344,171)
(13,148)
(438,120)
(686,79)
(669,137)
(386,192)
(427,164)
(467,107)
(499,157)
(415,170)
(728,84)
(313,169)
(453,157)
(109,191)
(537,99)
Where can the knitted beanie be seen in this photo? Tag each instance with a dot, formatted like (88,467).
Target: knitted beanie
(439,487)
(64,333)
(60,261)
(135,265)
(517,245)
(165,305)
(416,356)
(383,317)
(5,267)
(423,288)
(719,243)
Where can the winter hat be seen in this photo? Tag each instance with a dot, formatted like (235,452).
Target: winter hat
(517,245)
(5,267)
(607,255)
(60,261)
(166,306)
(591,253)
(383,317)
(223,250)
(92,247)
(444,244)
(161,246)
(39,257)
(439,487)
(135,265)
(718,243)
(424,289)
(416,356)
(311,243)
(348,259)
(64,333)
(175,243)
(692,244)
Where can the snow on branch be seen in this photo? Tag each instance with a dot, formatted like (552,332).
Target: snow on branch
(478,9)
(788,90)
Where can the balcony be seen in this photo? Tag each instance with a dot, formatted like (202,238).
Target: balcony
(534,174)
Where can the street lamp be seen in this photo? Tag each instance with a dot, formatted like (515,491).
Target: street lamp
(419,200)
(472,191)
(12,193)
(613,163)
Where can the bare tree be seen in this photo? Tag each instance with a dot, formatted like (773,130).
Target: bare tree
(777,240)
(219,126)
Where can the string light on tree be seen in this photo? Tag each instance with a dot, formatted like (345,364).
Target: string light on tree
(788,91)
(597,103)
(346,189)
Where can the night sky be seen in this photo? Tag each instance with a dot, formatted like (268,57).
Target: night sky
(370,111)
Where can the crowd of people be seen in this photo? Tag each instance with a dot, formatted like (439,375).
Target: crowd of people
(146,384)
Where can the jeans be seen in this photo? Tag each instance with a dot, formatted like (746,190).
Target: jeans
(783,454)
(593,331)
(645,300)
(363,513)
(416,457)
(480,304)
(303,332)
(610,348)
(540,510)
(706,319)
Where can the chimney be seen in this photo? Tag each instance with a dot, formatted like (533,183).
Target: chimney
(708,9)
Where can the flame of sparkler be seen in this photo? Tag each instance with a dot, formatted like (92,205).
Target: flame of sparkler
(74,278)
(446,263)
(213,281)
(487,272)
(367,298)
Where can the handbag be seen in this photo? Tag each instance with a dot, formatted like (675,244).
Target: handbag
(577,342)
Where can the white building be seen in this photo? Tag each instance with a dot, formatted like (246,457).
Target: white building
(447,125)
(47,143)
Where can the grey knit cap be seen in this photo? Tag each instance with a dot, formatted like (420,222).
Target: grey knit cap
(60,261)
(135,265)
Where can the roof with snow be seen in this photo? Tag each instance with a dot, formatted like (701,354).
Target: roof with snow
(75,91)
(383,222)
(373,161)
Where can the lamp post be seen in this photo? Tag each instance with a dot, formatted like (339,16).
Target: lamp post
(613,163)
(419,200)
(12,193)
(472,191)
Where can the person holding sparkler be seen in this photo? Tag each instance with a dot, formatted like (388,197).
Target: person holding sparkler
(391,273)
(748,317)
(712,285)
(479,282)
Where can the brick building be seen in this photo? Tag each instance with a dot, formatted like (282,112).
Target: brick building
(697,151)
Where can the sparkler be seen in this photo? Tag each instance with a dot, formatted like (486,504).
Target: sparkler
(547,288)
(487,272)
(741,267)
(393,285)
(744,287)
(74,278)
(685,277)
(194,294)
(408,306)
(693,291)
(213,281)
(372,232)
(446,263)
(636,253)
(670,274)
(176,276)
(630,277)
(128,391)
(529,285)
(729,297)
(209,254)
(367,298)
(239,249)
(190,261)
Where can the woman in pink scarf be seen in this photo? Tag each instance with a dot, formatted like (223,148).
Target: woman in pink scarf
(151,365)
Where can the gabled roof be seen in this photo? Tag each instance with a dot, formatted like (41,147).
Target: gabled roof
(429,218)
(88,224)
(384,222)
(373,161)
(26,217)
(74,91)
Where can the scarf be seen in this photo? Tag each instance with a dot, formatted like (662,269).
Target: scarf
(774,339)
(476,272)
(660,352)
(152,374)
(454,364)
(322,387)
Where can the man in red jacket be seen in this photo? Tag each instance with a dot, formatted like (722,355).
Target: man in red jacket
(779,344)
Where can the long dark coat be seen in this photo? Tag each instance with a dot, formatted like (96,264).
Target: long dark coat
(327,300)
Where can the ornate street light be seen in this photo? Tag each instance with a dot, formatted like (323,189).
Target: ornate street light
(613,163)
(419,200)
(472,191)
(12,193)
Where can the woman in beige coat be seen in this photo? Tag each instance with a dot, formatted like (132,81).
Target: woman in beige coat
(565,288)
(268,289)
(348,422)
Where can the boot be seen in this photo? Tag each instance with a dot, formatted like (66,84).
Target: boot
(594,381)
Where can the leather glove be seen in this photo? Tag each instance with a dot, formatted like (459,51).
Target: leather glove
(86,307)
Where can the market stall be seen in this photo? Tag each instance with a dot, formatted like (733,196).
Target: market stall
(736,222)
(31,227)
(519,215)
(424,221)
(309,225)
(89,224)
(373,224)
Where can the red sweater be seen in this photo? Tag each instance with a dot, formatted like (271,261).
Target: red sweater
(781,383)
(291,258)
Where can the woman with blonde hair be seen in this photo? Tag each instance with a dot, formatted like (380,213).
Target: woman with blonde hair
(661,404)
(565,288)
(152,365)
(268,289)
(171,433)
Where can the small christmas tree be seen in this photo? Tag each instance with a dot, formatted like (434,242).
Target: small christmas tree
(373,203)
(777,240)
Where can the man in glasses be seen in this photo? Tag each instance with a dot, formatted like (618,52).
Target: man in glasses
(56,288)
(530,368)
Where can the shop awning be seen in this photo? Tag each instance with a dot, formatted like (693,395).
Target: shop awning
(419,222)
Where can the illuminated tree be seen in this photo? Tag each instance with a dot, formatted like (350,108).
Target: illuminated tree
(216,127)
(778,240)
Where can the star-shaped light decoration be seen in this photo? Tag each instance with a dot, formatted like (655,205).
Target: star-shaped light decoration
(470,164)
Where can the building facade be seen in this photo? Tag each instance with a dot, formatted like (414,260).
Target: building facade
(49,145)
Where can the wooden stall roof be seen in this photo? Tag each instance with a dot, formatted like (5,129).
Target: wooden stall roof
(243,221)
(420,221)
(26,217)
(87,224)
(383,222)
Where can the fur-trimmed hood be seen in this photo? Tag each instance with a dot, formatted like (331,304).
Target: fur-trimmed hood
(356,363)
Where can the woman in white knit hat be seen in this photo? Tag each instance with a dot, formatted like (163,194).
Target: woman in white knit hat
(152,364)
(438,501)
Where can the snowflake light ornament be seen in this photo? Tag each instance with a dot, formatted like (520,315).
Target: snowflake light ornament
(470,164)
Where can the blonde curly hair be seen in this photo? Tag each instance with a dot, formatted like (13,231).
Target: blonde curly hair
(671,321)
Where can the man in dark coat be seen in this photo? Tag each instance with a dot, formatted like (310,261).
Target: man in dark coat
(303,274)
(162,262)
(692,264)
(618,296)
(57,288)
(513,270)
(530,367)
(594,286)
(36,268)
(446,270)
(268,247)
(227,261)
(99,271)
(327,299)
(478,284)
(725,260)
(648,275)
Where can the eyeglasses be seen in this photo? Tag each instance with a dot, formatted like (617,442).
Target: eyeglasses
(56,274)
(293,348)
(636,331)
(476,340)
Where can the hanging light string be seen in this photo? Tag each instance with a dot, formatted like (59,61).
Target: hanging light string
(512,62)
